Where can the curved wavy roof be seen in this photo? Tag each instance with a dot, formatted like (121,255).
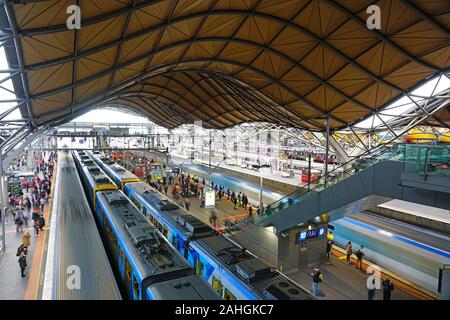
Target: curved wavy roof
(225,62)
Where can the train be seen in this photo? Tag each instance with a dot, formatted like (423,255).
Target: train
(229,268)
(116,172)
(146,265)
(232,271)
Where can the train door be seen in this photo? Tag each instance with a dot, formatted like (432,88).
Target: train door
(121,263)
(227,295)
(217,285)
(128,279)
(175,242)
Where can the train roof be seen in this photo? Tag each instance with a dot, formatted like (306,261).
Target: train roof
(97,177)
(152,255)
(114,168)
(179,218)
(263,279)
(187,288)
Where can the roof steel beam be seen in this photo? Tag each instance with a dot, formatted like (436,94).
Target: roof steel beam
(133,80)
(18,47)
(428,19)
(88,21)
(381,37)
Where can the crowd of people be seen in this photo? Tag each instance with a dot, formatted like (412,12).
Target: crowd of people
(29,201)
(187,185)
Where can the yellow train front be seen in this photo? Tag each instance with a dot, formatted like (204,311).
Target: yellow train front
(94,179)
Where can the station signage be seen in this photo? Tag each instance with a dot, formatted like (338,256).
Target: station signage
(210,199)
(304,235)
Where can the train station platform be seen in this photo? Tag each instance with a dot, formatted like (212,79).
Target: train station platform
(343,281)
(421,215)
(15,287)
(272,180)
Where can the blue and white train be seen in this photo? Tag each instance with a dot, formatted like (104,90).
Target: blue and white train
(146,265)
(230,269)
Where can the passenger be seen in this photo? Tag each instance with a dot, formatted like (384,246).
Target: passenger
(349,251)
(42,204)
(250,211)
(317,278)
(371,292)
(388,287)
(19,221)
(202,203)
(21,249)
(36,227)
(329,246)
(213,218)
(360,254)
(26,239)
(22,263)
(235,201)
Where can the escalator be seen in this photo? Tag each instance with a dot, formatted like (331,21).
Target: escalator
(364,182)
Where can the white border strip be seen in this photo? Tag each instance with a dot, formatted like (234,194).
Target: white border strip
(47,292)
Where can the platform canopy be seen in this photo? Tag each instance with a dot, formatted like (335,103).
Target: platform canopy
(224,62)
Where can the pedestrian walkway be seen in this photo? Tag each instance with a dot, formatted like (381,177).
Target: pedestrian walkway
(224,209)
(14,287)
(341,281)
(344,282)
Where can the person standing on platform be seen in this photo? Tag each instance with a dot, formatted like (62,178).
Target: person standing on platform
(388,287)
(371,292)
(250,211)
(26,239)
(22,263)
(349,251)
(19,221)
(317,278)
(42,203)
(166,188)
(329,246)
(360,254)
(213,218)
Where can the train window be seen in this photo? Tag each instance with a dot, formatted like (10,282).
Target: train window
(114,240)
(144,210)
(197,266)
(120,255)
(228,295)
(127,269)
(175,242)
(136,287)
(164,232)
(202,268)
(217,285)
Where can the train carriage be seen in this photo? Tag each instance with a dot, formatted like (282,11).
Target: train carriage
(229,269)
(116,172)
(92,177)
(175,223)
(140,254)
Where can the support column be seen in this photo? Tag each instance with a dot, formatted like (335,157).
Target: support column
(210,143)
(2,206)
(327,148)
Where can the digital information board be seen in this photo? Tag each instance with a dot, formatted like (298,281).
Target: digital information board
(304,235)
(210,199)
